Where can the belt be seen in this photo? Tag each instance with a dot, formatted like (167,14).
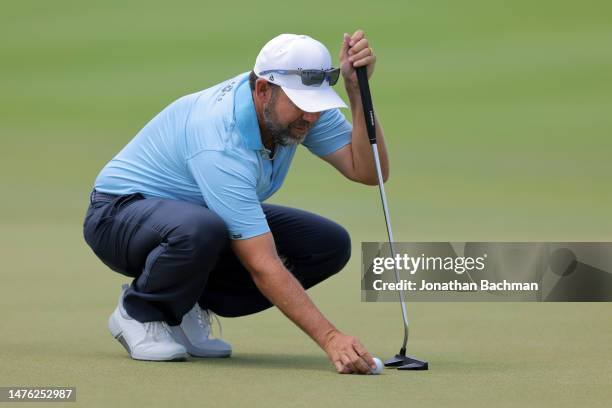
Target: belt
(98,196)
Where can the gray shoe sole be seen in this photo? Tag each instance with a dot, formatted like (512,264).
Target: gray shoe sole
(207,354)
(117,333)
(121,340)
(194,351)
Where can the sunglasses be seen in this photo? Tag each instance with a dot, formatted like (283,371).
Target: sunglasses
(310,77)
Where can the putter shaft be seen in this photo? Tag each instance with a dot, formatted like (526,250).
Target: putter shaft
(383,198)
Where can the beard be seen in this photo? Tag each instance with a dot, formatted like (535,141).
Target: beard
(281,133)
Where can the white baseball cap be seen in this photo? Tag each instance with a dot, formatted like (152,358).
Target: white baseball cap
(292,52)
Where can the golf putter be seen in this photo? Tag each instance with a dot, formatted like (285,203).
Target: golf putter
(400,360)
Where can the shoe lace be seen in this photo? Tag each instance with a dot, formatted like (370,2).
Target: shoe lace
(157,330)
(204,318)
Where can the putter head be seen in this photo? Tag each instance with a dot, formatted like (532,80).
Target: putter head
(403,362)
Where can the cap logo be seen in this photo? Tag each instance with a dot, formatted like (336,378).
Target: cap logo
(271,77)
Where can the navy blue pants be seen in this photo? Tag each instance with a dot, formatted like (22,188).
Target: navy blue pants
(179,253)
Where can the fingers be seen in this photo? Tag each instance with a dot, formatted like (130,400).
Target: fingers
(356,37)
(365,355)
(343,364)
(360,53)
(349,356)
(355,363)
(339,367)
(345,370)
(369,61)
(345,45)
(348,364)
(358,46)
(360,365)
(357,355)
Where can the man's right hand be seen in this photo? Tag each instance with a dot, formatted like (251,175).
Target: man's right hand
(348,355)
(258,255)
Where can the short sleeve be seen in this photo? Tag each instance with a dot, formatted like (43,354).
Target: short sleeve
(228,186)
(331,132)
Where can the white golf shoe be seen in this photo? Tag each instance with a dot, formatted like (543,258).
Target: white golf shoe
(194,333)
(144,341)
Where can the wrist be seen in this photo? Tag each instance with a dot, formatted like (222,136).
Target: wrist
(352,87)
(328,337)
(354,97)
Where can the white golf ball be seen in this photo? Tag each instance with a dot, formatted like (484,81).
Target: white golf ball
(379,366)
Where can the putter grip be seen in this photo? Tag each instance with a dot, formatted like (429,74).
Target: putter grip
(366,99)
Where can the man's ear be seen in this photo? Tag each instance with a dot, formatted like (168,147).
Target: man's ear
(263,90)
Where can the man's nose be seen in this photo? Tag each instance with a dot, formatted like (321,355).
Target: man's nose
(311,117)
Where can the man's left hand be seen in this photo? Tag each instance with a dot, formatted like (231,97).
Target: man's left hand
(355,52)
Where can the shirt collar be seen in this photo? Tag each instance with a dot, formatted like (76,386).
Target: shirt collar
(246,117)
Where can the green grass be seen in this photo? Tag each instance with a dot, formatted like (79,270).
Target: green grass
(497,119)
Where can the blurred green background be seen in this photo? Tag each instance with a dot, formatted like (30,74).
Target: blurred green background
(497,118)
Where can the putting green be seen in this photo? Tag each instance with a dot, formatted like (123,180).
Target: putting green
(498,125)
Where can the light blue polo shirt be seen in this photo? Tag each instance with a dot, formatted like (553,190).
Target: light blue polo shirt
(206,148)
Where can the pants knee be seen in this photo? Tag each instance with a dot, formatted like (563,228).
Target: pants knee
(341,242)
(202,237)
